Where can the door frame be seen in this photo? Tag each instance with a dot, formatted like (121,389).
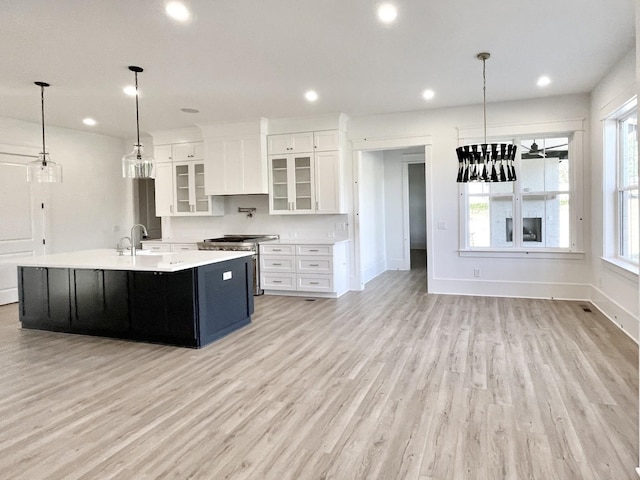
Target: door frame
(388,143)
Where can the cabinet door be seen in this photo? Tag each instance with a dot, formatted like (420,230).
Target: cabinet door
(200,198)
(279,195)
(278,144)
(44,298)
(303,183)
(328,170)
(163,154)
(100,301)
(188,151)
(163,306)
(326,141)
(301,142)
(182,190)
(164,189)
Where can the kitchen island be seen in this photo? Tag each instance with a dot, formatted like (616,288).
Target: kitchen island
(184,298)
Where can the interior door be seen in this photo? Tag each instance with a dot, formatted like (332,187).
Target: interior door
(22,216)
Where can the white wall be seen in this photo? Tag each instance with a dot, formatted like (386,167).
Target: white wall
(615,291)
(558,278)
(94,199)
(393,205)
(372,215)
(190,229)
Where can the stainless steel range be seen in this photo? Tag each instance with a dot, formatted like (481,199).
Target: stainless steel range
(245,243)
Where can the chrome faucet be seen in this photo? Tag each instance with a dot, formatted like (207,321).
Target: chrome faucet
(120,245)
(133,238)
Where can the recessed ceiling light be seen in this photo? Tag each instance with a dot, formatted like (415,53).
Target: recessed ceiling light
(544,81)
(311,96)
(129,90)
(189,110)
(387,13)
(178,11)
(89,121)
(428,94)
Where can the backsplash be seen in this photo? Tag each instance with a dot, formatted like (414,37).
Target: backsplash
(234,222)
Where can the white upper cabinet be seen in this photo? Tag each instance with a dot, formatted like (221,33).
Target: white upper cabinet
(163,154)
(180,184)
(292,190)
(326,141)
(164,187)
(236,166)
(291,143)
(328,182)
(183,152)
(292,184)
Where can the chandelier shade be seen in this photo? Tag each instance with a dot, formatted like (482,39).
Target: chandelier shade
(136,164)
(486,162)
(43,170)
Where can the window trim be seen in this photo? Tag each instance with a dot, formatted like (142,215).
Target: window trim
(612,180)
(574,129)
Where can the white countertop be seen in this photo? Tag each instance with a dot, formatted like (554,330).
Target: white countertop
(108,259)
(304,241)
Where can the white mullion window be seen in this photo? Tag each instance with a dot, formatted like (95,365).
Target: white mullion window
(535,212)
(627,228)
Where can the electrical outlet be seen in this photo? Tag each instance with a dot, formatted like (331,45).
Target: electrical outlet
(442,225)
(476,272)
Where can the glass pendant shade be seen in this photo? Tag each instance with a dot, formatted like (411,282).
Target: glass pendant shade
(44,170)
(137,165)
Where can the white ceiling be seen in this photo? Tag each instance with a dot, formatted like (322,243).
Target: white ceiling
(242,59)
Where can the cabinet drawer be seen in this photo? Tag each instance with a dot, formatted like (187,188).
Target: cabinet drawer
(277,249)
(181,247)
(315,283)
(156,247)
(314,250)
(274,263)
(314,264)
(275,281)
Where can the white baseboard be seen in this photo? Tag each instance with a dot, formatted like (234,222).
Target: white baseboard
(620,316)
(498,288)
(10,295)
(638,471)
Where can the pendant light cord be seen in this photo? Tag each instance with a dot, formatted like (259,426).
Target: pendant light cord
(42,111)
(484,96)
(137,116)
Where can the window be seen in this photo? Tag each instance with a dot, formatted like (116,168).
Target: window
(627,229)
(532,213)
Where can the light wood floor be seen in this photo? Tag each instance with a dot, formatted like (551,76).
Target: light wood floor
(389,383)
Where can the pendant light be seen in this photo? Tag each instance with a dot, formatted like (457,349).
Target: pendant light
(484,162)
(136,164)
(43,170)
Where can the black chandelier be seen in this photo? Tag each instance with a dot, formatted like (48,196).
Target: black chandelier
(486,162)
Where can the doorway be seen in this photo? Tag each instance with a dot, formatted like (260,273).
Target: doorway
(392,216)
(415,212)
(146,207)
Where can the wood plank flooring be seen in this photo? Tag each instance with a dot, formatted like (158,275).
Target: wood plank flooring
(389,383)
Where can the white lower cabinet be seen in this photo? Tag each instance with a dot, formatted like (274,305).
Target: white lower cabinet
(304,270)
(160,246)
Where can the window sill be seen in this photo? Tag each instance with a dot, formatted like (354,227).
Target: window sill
(511,253)
(627,270)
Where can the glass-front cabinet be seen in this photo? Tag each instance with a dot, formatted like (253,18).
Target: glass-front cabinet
(189,193)
(292,184)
